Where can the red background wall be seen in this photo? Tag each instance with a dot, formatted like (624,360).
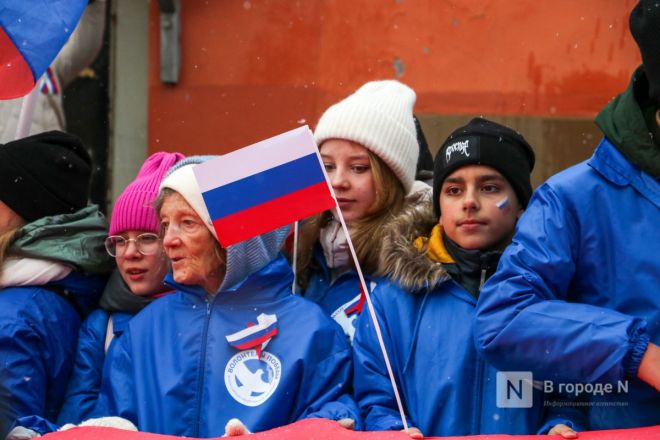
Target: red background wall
(252,69)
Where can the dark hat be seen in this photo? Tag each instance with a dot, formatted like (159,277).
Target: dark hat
(645,28)
(425,159)
(484,142)
(45,174)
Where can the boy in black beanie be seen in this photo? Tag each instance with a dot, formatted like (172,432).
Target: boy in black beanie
(436,256)
(576,298)
(481,184)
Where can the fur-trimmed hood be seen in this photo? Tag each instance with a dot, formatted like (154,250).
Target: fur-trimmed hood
(399,259)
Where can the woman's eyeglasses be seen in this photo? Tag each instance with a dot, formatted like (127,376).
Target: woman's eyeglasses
(146,244)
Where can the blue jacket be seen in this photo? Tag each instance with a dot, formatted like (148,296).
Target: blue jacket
(38,336)
(174,371)
(39,324)
(446,387)
(82,393)
(576,297)
(337,298)
(85,383)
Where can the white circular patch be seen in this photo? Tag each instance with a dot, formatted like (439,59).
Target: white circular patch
(250,380)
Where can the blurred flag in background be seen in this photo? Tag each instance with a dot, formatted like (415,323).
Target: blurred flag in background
(32,32)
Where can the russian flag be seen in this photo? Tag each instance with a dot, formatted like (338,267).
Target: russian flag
(264,186)
(32,32)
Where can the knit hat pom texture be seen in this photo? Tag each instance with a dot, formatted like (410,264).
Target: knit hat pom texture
(133,210)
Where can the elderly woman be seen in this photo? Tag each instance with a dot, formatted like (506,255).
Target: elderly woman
(231,342)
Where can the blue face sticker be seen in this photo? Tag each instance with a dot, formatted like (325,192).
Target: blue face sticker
(503,203)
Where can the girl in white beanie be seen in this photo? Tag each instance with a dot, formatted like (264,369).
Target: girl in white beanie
(369,148)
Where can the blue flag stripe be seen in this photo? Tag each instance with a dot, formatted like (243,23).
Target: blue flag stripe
(39,32)
(263,187)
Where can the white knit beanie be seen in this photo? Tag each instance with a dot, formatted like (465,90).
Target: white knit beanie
(379,116)
(182,180)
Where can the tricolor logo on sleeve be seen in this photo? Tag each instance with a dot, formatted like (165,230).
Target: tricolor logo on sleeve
(49,83)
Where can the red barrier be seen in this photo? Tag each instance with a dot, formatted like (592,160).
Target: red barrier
(321,429)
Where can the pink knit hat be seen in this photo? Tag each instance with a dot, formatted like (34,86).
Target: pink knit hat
(134,209)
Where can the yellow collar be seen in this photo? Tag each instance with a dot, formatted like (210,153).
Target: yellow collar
(436,250)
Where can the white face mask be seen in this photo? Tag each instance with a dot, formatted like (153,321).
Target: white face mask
(335,247)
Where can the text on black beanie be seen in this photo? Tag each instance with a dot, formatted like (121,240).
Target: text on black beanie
(44,174)
(484,142)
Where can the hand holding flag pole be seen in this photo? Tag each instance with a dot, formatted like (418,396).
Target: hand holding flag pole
(271,184)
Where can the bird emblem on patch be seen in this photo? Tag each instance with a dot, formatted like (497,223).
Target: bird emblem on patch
(252,375)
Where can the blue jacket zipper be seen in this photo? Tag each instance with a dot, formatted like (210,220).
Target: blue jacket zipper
(202,367)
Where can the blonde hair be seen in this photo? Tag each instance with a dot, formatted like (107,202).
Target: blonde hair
(7,238)
(366,233)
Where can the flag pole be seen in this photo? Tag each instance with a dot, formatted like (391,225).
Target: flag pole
(372,311)
(27,111)
(294,256)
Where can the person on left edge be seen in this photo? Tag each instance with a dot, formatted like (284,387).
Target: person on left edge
(230,342)
(52,269)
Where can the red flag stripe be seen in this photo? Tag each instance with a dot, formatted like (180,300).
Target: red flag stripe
(273,214)
(17,77)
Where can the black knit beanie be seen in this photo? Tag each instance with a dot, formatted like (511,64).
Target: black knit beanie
(45,174)
(425,159)
(645,28)
(484,142)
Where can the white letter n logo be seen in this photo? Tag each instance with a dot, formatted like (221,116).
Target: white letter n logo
(514,389)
